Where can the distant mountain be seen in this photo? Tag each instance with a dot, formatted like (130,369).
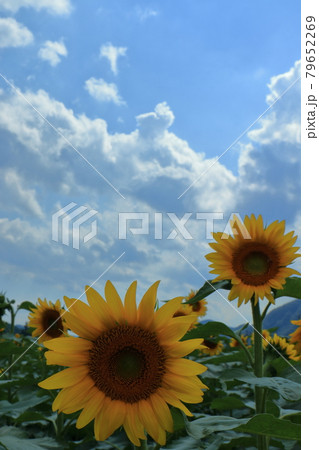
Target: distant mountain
(280,318)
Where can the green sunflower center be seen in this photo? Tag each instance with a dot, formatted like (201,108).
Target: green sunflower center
(255,263)
(127,363)
(52,323)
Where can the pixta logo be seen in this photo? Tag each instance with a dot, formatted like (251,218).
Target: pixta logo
(67,223)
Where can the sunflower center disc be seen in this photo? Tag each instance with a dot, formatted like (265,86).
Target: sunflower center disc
(127,363)
(52,323)
(255,264)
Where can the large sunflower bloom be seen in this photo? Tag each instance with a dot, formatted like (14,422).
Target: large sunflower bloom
(255,259)
(126,366)
(48,321)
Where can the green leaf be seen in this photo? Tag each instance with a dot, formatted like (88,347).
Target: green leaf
(288,389)
(268,425)
(292,288)
(211,329)
(293,417)
(31,416)
(15,439)
(208,288)
(17,408)
(227,403)
(26,305)
(178,419)
(233,356)
(204,426)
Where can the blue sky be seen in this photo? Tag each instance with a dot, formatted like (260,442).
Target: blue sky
(150,93)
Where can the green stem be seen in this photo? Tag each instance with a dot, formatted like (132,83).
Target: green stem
(258,367)
(59,424)
(143,445)
(243,346)
(265,311)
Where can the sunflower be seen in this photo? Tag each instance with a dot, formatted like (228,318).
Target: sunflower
(48,321)
(211,347)
(234,343)
(283,347)
(255,259)
(295,337)
(127,364)
(266,338)
(199,308)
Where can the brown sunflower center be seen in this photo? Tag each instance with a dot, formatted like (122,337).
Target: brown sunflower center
(52,323)
(127,363)
(255,264)
(210,344)
(196,306)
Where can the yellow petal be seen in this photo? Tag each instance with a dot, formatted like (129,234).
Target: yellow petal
(130,304)
(99,305)
(180,349)
(148,419)
(162,412)
(170,397)
(65,378)
(147,305)
(68,345)
(114,301)
(84,313)
(185,367)
(81,328)
(61,359)
(91,409)
(166,312)
(113,416)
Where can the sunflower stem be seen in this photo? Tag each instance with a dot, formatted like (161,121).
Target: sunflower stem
(265,311)
(258,367)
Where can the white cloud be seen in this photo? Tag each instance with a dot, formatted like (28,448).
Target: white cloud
(112,53)
(17,197)
(103,91)
(145,13)
(54,7)
(51,52)
(14,34)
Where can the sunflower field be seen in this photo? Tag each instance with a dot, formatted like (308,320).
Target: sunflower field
(126,373)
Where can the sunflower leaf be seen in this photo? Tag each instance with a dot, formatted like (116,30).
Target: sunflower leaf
(208,288)
(268,425)
(207,425)
(292,288)
(26,305)
(288,389)
(211,329)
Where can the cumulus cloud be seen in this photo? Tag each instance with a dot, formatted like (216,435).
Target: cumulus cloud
(112,53)
(54,7)
(51,51)
(14,34)
(103,91)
